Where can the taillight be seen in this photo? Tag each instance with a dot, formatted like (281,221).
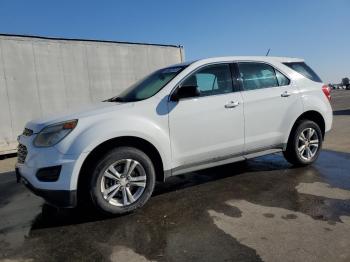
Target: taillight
(327,91)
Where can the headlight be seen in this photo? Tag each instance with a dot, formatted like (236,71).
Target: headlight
(53,134)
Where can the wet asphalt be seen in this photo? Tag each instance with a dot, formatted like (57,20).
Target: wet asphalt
(263,209)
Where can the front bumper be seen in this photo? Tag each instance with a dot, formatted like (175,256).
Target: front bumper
(58,198)
(61,189)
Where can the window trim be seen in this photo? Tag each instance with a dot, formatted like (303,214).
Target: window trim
(261,62)
(229,63)
(236,77)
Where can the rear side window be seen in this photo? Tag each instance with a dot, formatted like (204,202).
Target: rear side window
(282,79)
(305,70)
(261,75)
(257,75)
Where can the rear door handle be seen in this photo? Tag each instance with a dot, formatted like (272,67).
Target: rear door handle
(286,94)
(232,104)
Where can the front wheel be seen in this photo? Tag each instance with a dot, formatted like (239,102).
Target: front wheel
(122,181)
(305,143)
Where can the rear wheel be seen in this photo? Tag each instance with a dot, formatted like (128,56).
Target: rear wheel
(123,180)
(305,143)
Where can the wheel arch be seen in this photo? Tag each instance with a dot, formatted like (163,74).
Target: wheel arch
(313,116)
(131,141)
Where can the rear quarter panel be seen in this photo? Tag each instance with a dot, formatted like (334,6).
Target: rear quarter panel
(311,97)
(314,99)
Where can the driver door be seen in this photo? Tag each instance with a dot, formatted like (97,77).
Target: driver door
(209,127)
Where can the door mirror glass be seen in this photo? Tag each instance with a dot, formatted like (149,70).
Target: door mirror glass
(185,91)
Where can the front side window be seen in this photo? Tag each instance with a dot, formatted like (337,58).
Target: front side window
(211,80)
(257,75)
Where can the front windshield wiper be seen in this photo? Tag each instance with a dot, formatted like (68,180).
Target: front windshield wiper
(115,99)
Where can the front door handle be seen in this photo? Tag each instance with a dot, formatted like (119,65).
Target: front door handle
(232,104)
(286,94)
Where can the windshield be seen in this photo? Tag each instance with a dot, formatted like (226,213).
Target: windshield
(148,86)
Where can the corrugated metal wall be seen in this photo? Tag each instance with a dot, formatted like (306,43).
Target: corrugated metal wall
(41,76)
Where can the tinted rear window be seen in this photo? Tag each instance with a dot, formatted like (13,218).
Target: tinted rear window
(305,70)
(257,75)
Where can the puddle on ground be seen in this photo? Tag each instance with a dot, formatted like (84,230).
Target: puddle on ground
(16,216)
(269,196)
(323,190)
(278,239)
(122,253)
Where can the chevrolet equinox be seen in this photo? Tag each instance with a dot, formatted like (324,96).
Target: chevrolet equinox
(178,119)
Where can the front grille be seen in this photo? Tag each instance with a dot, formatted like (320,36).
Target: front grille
(27,132)
(21,153)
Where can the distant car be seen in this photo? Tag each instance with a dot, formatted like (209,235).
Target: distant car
(179,119)
(337,86)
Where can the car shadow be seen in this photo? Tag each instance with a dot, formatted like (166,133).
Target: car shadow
(344,112)
(2,157)
(55,217)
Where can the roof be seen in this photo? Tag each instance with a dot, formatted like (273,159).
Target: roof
(252,58)
(86,40)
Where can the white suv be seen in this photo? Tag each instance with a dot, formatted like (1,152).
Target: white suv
(179,119)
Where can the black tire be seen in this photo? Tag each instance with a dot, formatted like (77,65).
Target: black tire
(121,154)
(292,153)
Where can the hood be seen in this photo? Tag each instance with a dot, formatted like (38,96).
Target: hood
(82,112)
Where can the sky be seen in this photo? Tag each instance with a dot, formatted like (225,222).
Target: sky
(316,30)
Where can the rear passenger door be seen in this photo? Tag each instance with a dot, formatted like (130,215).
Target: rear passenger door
(271,103)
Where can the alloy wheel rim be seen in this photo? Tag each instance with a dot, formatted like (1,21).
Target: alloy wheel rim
(308,143)
(123,182)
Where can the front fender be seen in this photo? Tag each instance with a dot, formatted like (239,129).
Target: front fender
(92,133)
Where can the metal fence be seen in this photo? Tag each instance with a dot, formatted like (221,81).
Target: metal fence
(40,76)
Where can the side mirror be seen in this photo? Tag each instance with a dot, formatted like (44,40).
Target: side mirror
(185,92)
